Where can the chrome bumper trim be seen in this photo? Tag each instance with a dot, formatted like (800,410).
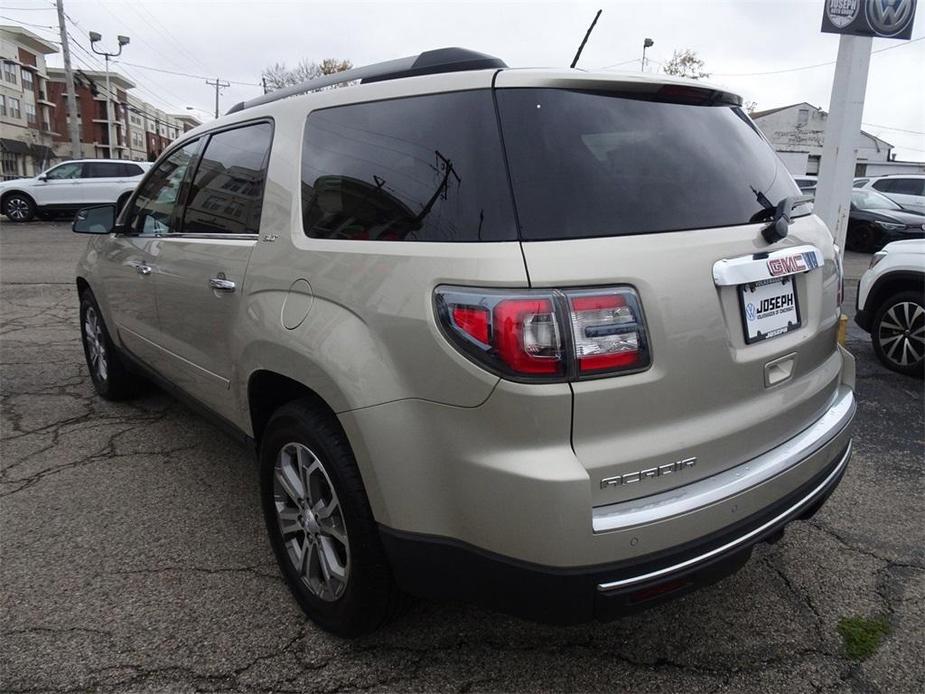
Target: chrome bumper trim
(711,490)
(742,540)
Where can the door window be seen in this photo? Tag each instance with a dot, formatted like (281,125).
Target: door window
(103,169)
(157,197)
(226,195)
(69,170)
(900,186)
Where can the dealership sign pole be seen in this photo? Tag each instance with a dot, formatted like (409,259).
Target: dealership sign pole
(858,21)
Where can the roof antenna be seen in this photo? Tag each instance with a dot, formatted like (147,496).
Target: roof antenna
(585,39)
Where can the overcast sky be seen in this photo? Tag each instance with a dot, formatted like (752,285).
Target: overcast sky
(736,38)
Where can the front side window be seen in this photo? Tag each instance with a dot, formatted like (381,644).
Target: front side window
(71,169)
(226,195)
(154,206)
(590,164)
(424,168)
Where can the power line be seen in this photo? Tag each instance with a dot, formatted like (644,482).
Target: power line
(28,24)
(184,74)
(807,67)
(898,130)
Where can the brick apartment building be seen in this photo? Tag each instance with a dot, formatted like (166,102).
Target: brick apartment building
(34,112)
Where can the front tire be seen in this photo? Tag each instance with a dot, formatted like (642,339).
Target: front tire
(320,524)
(107,372)
(898,333)
(19,208)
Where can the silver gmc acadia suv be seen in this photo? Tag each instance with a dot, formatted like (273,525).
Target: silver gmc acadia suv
(559,343)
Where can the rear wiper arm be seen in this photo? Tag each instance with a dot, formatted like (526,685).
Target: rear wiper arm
(780,214)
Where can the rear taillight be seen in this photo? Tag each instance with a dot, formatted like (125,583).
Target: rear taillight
(546,334)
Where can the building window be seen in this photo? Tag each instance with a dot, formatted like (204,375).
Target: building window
(27,84)
(30,114)
(9,72)
(13,104)
(9,165)
(803,116)
(2,105)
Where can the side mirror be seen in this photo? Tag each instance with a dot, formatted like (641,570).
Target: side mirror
(98,219)
(42,178)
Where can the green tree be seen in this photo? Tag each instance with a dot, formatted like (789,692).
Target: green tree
(685,63)
(278,75)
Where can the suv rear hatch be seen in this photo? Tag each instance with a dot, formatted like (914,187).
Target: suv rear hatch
(651,185)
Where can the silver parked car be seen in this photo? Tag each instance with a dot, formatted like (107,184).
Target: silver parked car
(559,343)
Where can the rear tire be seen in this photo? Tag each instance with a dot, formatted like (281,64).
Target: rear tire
(898,333)
(19,208)
(111,379)
(320,523)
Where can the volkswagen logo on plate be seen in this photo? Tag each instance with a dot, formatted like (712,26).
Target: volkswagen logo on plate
(842,12)
(888,17)
(750,311)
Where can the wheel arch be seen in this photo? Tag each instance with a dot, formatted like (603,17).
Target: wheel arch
(7,193)
(891,283)
(268,390)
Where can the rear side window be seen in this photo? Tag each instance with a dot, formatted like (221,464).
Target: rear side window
(131,170)
(226,195)
(901,186)
(104,169)
(424,168)
(587,164)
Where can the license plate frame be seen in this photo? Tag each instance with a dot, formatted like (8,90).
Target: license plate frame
(757,290)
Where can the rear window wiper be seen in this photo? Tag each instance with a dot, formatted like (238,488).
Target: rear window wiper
(781,214)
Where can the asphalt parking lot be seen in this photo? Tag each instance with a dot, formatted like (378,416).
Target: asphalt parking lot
(133,557)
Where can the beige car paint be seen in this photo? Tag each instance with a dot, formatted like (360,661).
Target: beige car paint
(444,447)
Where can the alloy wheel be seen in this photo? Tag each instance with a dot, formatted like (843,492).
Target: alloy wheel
(902,333)
(17,209)
(311,521)
(96,344)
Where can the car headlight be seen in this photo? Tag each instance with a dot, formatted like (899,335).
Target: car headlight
(890,226)
(877,257)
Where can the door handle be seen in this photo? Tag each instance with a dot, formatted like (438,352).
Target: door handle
(143,269)
(220,284)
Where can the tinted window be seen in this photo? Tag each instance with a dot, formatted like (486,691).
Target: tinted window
(153,208)
(103,169)
(131,170)
(901,186)
(426,168)
(594,164)
(69,170)
(227,190)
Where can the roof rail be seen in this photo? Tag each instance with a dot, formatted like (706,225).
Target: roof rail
(427,63)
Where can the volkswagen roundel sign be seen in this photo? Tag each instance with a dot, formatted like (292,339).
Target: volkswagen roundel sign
(890,19)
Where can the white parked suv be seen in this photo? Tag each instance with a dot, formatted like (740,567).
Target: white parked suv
(906,189)
(69,186)
(891,305)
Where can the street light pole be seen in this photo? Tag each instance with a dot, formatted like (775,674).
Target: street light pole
(123,40)
(647,43)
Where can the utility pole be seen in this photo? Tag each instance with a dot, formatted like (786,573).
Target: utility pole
(123,41)
(72,125)
(219,85)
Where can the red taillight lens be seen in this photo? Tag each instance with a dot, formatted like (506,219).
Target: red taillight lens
(475,321)
(608,331)
(519,334)
(528,335)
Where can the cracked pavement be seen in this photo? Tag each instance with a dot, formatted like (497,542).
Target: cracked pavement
(133,556)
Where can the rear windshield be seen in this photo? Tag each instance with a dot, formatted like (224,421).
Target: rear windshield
(587,164)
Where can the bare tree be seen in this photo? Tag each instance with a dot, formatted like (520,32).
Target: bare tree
(751,107)
(278,75)
(685,63)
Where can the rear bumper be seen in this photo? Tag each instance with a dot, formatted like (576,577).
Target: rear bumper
(440,568)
